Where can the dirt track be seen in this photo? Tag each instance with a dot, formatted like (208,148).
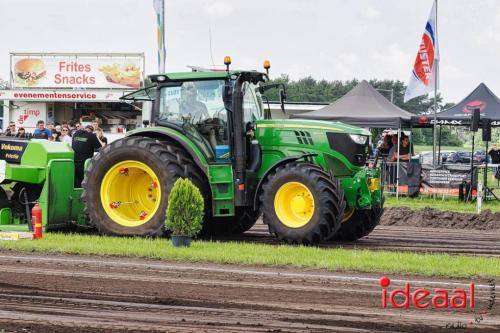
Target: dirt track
(400,238)
(87,294)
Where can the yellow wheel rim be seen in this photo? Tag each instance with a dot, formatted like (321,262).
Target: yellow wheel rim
(348,214)
(130,193)
(294,204)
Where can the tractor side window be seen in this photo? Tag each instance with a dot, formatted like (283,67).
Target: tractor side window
(198,107)
(251,106)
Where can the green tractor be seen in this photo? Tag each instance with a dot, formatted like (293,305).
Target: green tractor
(308,179)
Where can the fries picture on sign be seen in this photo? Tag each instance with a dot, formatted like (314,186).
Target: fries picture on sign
(124,74)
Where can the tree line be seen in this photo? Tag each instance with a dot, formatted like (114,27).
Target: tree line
(309,89)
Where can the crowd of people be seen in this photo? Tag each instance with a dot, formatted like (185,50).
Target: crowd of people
(388,149)
(60,132)
(85,140)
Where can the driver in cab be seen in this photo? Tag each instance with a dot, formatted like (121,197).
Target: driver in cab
(189,106)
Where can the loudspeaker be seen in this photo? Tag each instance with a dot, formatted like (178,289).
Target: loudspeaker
(486,129)
(474,125)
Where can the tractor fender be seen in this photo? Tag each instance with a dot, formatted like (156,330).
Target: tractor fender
(161,134)
(272,168)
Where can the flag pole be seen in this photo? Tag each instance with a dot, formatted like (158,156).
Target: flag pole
(162,60)
(159,6)
(436,60)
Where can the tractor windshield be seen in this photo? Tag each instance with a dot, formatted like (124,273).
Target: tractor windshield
(197,107)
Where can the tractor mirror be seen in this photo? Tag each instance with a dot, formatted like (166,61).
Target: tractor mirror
(282,100)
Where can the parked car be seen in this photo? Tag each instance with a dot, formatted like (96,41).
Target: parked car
(459,157)
(480,156)
(445,155)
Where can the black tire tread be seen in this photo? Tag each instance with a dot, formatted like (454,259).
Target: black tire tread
(174,160)
(330,201)
(361,223)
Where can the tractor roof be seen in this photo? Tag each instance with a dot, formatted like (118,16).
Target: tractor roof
(201,75)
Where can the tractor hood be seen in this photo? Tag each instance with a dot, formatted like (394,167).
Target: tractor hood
(327,126)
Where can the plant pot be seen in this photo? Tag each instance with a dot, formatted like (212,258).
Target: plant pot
(181,241)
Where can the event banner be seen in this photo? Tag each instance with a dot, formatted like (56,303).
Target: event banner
(76,71)
(445,179)
(424,179)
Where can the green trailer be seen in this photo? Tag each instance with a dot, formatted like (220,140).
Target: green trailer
(307,179)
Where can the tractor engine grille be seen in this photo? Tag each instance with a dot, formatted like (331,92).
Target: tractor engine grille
(356,153)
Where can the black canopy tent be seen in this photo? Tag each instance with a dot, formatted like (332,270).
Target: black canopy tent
(362,106)
(481,98)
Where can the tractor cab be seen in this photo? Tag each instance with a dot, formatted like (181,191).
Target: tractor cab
(202,106)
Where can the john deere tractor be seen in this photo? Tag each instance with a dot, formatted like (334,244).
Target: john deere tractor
(307,179)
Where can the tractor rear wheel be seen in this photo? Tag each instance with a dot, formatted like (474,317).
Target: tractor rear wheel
(359,224)
(126,187)
(302,204)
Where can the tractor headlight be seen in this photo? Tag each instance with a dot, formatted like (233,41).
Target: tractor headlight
(359,139)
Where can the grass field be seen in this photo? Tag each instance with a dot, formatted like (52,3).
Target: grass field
(451,204)
(421,148)
(265,255)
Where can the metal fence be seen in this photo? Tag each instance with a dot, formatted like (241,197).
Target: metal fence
(394,183)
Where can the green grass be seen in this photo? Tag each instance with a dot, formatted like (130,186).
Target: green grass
(338,259)
(451,204)
(467,147)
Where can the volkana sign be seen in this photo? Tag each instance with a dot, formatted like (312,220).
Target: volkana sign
(47,70)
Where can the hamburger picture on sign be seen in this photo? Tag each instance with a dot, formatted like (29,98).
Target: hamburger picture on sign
(29,72)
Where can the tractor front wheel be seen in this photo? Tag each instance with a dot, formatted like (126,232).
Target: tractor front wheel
(302,204)
(359,224)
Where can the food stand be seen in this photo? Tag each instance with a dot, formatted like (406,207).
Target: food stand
(57,87)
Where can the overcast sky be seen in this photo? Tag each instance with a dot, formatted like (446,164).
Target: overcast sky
(330,39)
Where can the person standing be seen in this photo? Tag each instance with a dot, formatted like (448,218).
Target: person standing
(84,143)
(65,137)
(406,149)
(41,132)
(21,133)
(11,130)
(100,136)
(494,153)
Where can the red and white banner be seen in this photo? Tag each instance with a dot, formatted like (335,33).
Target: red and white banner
(76,71)
(27,115)
(423,77)
(62,95)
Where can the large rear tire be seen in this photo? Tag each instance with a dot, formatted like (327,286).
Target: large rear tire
(302,204)
(360,224)
(126,187)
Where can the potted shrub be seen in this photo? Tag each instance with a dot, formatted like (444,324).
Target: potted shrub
(184,212)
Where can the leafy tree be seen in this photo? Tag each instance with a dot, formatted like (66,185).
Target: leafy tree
(309,89)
